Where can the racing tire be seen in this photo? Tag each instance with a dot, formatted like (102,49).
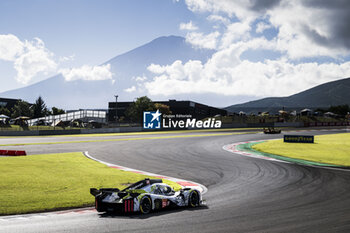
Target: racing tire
(145,205)
(193,199)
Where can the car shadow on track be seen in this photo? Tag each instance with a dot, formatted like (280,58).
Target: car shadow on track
(138,215)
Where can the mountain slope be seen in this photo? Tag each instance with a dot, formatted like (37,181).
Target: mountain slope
(125,68)
(322,96)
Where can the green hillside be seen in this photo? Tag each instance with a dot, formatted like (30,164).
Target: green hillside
(322,96)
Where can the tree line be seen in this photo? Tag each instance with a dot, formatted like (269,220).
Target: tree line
(142,104)
(341,110)
(36,110)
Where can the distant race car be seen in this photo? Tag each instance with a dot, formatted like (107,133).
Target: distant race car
(272,130)
(144,196)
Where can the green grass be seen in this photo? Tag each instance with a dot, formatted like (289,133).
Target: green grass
(48,182)
(328,149)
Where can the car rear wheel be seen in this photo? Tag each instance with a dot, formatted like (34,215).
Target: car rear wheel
(145,205)
(193,199)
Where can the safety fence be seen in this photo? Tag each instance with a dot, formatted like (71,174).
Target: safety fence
(83,115)
(312,124)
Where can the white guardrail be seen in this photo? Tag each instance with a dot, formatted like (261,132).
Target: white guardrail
(85,115)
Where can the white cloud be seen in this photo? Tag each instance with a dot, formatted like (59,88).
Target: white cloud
(199,40)
(36,58)
(10,47)
(32,57)
(29,57)
(237,8)
(303,30)
(141,78)
(130,89)
(319,23)
(89,73)
(156,69)
(271,78)
(307,36)
(261,27)
(188,26)
(218,18)
(234,32)
(67,58)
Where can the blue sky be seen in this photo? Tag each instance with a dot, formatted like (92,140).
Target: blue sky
(92,31)
(264,47)
(101,28)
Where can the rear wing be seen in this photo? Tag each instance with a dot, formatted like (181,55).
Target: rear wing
(143,183)
(137,185)
(96,192)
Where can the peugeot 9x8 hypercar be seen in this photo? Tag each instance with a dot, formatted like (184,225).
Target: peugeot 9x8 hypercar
(144,196)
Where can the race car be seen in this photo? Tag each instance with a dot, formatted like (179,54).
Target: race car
(271,130)
(144,196)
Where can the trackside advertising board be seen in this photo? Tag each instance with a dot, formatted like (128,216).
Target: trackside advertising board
(299,138)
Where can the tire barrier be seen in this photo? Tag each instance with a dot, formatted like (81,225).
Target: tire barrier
(13,152)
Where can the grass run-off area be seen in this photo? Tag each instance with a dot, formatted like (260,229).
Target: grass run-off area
(328,149)
(47,182)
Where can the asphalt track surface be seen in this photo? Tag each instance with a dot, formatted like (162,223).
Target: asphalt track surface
(245,194)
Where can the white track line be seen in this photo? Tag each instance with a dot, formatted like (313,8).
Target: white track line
(233,149)
(183,183)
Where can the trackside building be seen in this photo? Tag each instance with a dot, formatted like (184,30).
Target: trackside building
(196,110)
(8,103)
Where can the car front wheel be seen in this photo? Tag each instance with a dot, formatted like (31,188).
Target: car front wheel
(193,199)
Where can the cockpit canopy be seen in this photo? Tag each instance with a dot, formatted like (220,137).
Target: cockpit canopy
(160,189)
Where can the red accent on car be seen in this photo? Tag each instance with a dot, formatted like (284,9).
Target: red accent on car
(164,203)
(128,206)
